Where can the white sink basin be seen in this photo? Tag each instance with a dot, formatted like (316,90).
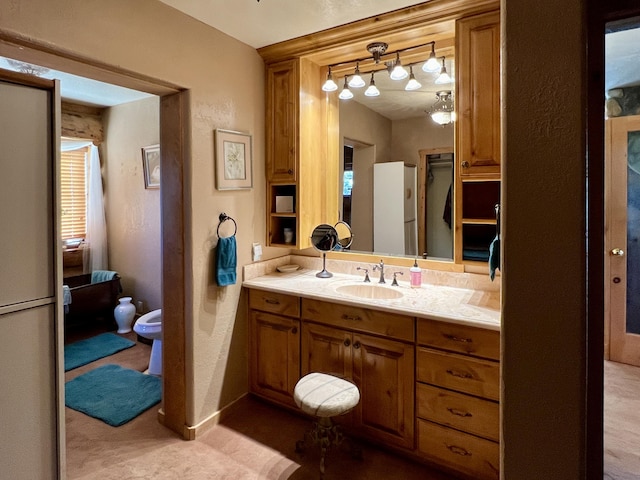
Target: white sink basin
(364,290)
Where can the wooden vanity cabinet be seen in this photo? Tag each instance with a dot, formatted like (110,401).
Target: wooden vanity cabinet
(457,394)
(297,146)
(274,345)
(343,340)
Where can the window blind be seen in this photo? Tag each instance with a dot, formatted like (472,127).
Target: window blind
(73,193)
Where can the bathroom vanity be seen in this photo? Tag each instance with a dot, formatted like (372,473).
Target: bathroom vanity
(426,360)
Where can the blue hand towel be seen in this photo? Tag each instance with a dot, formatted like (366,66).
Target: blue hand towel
(98,276)
(226,261)
(494,257)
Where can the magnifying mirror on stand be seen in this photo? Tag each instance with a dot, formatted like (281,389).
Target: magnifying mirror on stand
(324,238)
(345,235)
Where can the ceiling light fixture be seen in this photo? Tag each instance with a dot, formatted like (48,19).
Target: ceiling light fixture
(345,94)
(381,59)
(432,65)
(412,84)
(377,49)
(397,70)
(372,90)
(329,85)
(356,80)
(444,76)
(442,111)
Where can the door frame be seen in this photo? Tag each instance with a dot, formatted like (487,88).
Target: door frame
(175,149)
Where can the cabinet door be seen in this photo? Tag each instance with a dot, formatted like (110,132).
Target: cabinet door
(478,94)
(275,361)
(282,121)
(384,371)
(326,350)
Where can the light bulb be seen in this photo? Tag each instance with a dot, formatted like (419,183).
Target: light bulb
(372,90)
(329,85)
(356,80)
(398,72)
(444,76)
(412,84)
(432,64)
(345,94)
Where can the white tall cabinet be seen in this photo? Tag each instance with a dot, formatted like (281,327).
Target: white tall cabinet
(395,229)
(31,318)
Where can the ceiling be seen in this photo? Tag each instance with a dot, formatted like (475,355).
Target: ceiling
(261,22)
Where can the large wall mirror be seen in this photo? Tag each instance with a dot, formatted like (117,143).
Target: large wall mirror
(396,162)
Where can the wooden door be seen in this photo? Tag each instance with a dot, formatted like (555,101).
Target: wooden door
(622,255)
(478,91)
(275,362)
(282,121)
(384,371)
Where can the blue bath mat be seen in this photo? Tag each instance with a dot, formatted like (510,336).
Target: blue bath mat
(86,351)
(113,394)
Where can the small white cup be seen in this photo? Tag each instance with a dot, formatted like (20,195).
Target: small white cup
(288,235)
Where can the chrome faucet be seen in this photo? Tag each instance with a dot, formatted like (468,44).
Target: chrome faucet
(380,267)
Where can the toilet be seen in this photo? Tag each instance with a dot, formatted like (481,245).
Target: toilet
(149,326)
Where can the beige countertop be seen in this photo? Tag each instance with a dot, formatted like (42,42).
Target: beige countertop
(468,306)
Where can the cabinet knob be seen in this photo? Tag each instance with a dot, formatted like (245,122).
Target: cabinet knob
(347,342)
(356,345)
(294,330)
(290,172)
(618,252)
(465,164)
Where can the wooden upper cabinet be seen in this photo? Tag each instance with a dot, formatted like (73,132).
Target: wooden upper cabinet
(478,94)
(283,88)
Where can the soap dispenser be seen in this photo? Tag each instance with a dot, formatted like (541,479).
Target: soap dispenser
(415,275)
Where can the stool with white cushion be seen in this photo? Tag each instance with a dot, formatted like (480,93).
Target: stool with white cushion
(324,396)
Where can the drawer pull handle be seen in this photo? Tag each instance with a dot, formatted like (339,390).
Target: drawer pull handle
(459,413)
(448,336)
(356,345)
(272,301)
(347,342)
(459,451)
(355,318)
(466,376)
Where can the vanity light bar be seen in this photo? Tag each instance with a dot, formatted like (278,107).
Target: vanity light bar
(395,68)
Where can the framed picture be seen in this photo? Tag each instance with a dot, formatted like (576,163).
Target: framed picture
(234,165)
(151,166)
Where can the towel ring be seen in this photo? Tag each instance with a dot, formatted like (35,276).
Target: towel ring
(224,217)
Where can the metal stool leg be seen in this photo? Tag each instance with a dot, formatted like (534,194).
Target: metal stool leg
(325,434)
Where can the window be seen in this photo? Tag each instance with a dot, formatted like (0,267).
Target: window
(73,194)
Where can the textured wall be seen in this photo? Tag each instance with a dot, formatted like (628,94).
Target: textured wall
(151,39)
(543,239)
(133,212)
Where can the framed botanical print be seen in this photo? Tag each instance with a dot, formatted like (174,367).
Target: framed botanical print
(233,162)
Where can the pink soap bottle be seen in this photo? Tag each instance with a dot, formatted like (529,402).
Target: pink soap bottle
(415,275)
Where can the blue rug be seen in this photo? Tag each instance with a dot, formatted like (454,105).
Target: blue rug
(86,351)
(113,394)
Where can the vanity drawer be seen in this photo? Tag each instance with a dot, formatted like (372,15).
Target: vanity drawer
(459,338)
(475,457)
(457,410)
(455,372)
(359,319)
(274,303)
